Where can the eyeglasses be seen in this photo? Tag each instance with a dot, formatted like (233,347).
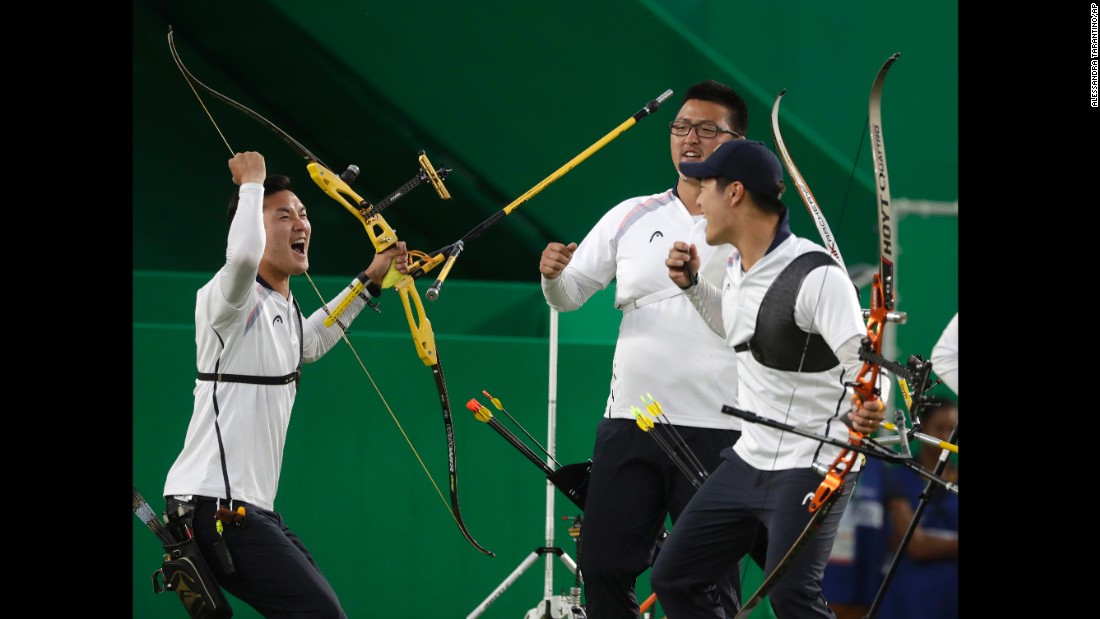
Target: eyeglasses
(703,129)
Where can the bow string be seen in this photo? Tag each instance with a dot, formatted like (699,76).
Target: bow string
(382,237)
(883,286)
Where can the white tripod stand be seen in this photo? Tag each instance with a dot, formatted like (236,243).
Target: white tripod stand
(552,606)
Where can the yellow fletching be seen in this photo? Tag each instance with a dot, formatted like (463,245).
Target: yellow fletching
(495,401)
(483,414)
(652,406)
(644,422)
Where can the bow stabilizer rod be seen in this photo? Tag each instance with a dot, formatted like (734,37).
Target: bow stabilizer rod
(451,251)
(382,237)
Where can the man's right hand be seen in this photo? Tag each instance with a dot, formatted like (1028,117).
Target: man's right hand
(682,263)
(248,167)
(555,258)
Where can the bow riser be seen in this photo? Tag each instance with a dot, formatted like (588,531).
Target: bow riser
(882,290)
(382,237)
(381,234)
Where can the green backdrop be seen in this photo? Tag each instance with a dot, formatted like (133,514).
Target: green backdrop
(502,93)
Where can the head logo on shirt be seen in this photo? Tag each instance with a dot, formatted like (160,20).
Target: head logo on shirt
(655,235)
(277,319)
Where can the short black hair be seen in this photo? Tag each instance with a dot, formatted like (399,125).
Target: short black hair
(765,202)
(717,92)
(272,184)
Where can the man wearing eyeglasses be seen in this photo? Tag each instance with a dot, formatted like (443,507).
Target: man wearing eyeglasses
(634,484)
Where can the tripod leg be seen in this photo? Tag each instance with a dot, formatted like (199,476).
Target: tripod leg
(568,561)
(507,582)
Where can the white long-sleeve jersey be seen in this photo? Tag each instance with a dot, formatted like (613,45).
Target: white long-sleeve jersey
(664,348)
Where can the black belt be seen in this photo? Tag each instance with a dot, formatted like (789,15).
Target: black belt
(195,498)
(254,380)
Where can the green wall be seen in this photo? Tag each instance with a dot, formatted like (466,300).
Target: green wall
(503,93)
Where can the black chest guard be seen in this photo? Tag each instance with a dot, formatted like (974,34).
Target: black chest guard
(778,342)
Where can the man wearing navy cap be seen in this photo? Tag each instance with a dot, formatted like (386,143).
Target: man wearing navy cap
(789,312)
(634,485)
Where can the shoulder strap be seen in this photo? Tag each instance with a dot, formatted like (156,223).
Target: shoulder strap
(265,380)
(774,338)
(660,295)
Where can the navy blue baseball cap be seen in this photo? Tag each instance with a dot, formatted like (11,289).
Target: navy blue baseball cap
(748,161)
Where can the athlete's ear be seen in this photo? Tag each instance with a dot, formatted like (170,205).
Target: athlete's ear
(736,189)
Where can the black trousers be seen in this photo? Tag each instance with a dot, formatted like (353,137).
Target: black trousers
(632,488)
(719,526)
(275,573)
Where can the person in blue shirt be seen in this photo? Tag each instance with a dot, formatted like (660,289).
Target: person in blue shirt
(926,580)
